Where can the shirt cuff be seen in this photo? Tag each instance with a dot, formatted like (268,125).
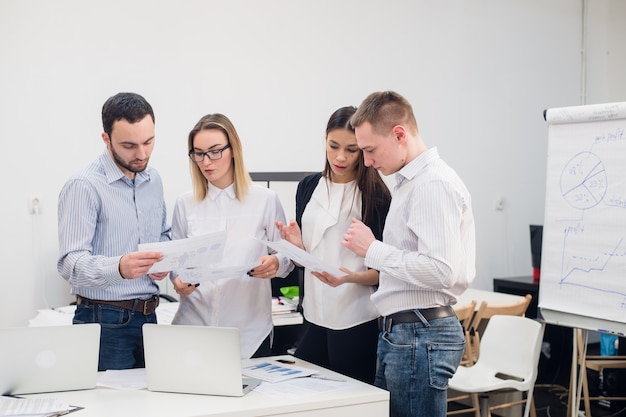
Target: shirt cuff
(112,272)
(376,254)
(285,266)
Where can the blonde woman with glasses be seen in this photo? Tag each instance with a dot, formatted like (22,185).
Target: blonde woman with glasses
(224,198)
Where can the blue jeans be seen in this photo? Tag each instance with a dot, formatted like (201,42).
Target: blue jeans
(121,339)
(415,362)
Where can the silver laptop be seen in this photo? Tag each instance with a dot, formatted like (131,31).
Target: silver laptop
(49,358)
(194,360)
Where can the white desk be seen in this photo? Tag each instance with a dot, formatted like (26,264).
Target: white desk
(165,310)
(165,313)
(491,297)
(355,399)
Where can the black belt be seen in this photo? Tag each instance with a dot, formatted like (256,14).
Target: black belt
(142,306)
(410,316)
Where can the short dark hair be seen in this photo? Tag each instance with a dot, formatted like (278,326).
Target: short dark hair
(129,106)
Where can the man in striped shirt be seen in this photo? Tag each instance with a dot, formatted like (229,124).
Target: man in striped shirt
(104,212)
(426,258)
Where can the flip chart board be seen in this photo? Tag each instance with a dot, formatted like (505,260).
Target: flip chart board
(583,266)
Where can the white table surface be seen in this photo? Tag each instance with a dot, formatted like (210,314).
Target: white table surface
(491,297)
(351,398)
(165,313)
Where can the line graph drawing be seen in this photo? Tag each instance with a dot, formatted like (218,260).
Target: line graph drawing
(583,185)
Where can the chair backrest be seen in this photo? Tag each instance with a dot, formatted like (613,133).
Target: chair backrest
(510,346)
(465,314)
(486,311)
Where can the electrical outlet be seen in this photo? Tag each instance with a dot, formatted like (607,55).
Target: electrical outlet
(34,205)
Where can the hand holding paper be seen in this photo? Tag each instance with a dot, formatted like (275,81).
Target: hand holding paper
(303,257)
(187,253)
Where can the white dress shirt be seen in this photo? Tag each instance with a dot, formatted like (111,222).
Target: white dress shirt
(102,216)
(325,220)
(240,301)
(427,256)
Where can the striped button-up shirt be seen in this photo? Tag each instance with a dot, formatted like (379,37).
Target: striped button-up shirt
(102,216)
(427,256)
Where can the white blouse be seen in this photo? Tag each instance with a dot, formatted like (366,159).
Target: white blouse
(325,220)
(240,301)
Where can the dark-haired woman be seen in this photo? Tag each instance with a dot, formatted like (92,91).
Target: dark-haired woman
(341,322)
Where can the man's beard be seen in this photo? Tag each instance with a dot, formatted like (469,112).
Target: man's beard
(119,161)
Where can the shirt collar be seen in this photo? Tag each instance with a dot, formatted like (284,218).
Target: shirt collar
(114,173)
(213,192)
(410,170)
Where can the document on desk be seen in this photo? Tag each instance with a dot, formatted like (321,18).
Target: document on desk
(124,379)
(272,371)
(192,252)
(12,406)
(302,257)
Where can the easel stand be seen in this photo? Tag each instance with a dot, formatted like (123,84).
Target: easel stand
(576,375)
(579,385)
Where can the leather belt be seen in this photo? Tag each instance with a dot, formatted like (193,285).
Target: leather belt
(142,306)
(410,316)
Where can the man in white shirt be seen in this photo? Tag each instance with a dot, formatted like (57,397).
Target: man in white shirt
(426,258)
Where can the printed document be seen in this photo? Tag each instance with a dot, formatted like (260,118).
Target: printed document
(272,371)
(303,257)
(213,272)
(192,252)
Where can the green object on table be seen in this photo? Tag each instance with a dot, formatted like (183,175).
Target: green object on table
(290,292)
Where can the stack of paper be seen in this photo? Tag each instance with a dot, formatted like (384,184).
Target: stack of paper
(283,305)
(12,406)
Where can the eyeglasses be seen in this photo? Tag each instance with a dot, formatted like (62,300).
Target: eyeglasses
(213,154)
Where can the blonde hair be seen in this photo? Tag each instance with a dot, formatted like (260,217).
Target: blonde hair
(241,177)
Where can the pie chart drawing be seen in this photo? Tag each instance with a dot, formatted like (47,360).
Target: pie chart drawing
(584,181)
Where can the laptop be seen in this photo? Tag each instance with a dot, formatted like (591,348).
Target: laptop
(195,360)
(48,358)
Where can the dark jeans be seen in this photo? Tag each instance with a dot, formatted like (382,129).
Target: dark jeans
(121,339)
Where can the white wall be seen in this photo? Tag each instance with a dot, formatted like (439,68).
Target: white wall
(479,75)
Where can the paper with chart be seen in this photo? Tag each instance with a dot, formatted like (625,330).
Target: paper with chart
(272,371)
(584,238)
(192,252)
(214,272)
(303,257)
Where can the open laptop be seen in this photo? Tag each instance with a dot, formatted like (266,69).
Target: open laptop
(195,360)
(48,358)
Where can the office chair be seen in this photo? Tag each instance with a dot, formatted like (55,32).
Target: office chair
(486,311)
(509,359)
(465,315)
